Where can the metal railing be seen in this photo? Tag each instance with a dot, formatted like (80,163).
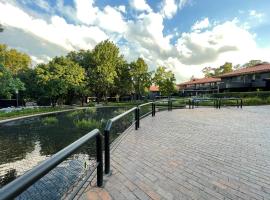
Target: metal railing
(136,111)
(217,102)
(39,174)
(22,183)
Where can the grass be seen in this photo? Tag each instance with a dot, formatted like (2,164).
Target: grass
(28,111)
(49,121)
(87,124)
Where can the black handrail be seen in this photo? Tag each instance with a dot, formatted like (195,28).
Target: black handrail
(19,185)
(137,125)
(217,102)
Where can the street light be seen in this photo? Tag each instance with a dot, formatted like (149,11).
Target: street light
(17,99)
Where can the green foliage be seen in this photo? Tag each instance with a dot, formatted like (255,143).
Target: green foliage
(141,78)
(27,111)
(210,71)
(8,84)
(58,76)
(15,61)
(49,121)
(260,94)
(165,80)
(87,124)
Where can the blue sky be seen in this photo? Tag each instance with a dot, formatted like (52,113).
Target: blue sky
(183,35)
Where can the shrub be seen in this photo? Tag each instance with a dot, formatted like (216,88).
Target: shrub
(87,124)
(49,121)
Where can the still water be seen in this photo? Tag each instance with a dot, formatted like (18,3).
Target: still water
(25,143)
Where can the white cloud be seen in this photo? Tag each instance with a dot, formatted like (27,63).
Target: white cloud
(255,14)
(201,24)
(169,8)
(140,5)
(86,11)
(205,45)
(57,31)
(183,3)
(111,20)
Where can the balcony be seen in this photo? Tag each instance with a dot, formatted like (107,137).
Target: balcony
(229,85)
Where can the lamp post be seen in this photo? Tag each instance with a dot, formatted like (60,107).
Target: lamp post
(17,99)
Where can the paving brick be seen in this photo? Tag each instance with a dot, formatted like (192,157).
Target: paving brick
(202,153)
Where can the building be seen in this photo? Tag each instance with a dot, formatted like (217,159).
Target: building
(201,86)
(154,91)
(246,79)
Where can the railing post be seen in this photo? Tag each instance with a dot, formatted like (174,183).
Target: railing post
(237,103)
(138,112)
(241,105)
(153,109)
(136,119)
(219,104)
(192,104)
(189,104)
(99,160)
(107,151)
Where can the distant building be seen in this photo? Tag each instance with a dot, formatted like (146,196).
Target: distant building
(246,79)
(154,91)
(200,86)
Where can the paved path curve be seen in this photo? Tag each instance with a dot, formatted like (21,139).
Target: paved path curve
(195,154)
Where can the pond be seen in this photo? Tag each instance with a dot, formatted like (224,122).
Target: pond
(25,143)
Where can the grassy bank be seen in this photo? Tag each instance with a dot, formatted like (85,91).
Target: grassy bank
(29,111)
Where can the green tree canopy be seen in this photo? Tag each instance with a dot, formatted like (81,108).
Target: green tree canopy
(165,80)
(8,84)
(58,76)
(210,71)
(141,78)
(101,70)
(14,60)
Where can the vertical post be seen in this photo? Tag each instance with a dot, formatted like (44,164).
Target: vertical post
(138,112)
(99,160)
(107,151)
(168,104)
(189,104)
(192,104)
(241,105)
(153,109)
(237,103)
(219,104)
(136,118)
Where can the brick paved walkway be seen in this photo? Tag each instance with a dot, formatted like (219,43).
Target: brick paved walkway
(195,154)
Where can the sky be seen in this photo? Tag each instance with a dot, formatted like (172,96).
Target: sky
(183,35)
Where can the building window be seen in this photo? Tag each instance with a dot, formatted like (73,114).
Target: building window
(257,76)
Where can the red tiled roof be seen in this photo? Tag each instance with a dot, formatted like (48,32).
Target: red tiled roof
(249,70)
(154,88)
(201,80)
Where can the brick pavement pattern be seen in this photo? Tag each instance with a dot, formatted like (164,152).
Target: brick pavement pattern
(203,153)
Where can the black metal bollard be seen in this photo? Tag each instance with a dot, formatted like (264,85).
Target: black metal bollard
(219,103)
(107,151)
(99,160)
(237,103)
(189,104)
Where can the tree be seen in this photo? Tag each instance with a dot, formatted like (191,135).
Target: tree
(14,60)
(58,76)
(252,63)
(8,84)
(210,72)
(101,69)
(165,80)
(141,78)
(123,81)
